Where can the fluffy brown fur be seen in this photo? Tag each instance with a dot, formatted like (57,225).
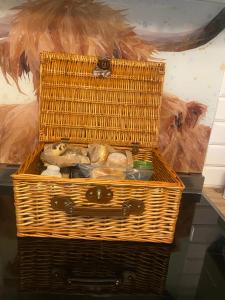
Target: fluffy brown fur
(183,141)
(86,27)
(76,26)
(18,131)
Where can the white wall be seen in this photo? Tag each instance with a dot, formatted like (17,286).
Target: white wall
(214,169)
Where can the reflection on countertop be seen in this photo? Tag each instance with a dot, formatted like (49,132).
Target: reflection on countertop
(215,197)
(42,268)
(91,267)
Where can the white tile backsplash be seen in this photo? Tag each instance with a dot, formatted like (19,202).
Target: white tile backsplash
(215,155)
(220,113)
(218,133)
(214,169)
(214,176)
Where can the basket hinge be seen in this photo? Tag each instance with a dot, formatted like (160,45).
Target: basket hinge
(135,148)
(65,140)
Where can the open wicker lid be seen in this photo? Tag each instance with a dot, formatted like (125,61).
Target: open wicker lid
(121,109)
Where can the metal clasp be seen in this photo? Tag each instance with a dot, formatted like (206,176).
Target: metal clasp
(99,194)
(103,68)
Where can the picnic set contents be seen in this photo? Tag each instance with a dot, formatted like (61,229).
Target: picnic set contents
(93,161)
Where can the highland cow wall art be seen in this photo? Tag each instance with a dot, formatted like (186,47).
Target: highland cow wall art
(189,35)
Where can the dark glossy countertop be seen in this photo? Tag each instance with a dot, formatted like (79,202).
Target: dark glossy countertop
(40,268)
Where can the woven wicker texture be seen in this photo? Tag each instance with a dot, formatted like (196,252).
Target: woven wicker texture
(59,114)
(36,217)
(118,110)
(89,263)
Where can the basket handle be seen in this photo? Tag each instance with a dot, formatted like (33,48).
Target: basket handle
(92,282)
(129,207)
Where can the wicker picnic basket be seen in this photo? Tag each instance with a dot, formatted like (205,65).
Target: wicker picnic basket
(91,267)
(122,110)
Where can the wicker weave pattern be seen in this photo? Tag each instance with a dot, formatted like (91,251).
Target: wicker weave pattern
(118,110)
(36,217)
(91,259)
